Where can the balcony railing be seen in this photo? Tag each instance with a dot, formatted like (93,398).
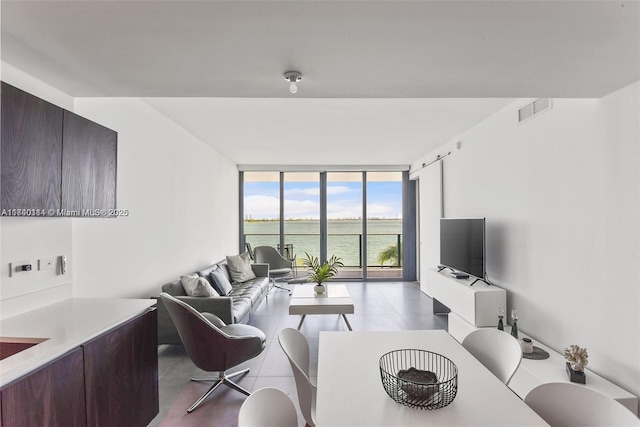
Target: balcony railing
(348,246)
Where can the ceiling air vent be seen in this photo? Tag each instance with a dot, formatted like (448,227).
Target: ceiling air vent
(534,108)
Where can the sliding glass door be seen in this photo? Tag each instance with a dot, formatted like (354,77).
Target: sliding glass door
(356,216)
(384,224)
(301,216)
(344,221)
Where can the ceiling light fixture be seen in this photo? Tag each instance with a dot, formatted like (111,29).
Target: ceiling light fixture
(293,77)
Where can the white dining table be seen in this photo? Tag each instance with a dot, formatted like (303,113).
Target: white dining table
(350,391)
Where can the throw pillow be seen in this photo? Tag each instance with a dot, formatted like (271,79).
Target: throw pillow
(220,282)
(196,286)
(240,267)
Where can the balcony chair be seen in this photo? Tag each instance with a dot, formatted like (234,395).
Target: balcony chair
(567,404)
(268,407)
(288,254)
(249,250)
(279,267)
(497,350)
(212,345)
(296,348)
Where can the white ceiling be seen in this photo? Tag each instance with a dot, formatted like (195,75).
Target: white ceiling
(384,81)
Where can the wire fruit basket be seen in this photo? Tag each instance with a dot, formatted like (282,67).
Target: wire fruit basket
(419,378)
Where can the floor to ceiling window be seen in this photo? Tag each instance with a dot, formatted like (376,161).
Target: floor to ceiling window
(301,216)
(384,224)
(261,205)
(356,216)
(344,221)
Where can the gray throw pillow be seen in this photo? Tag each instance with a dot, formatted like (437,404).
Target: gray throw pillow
(196,286)
(240,267)
(220,282)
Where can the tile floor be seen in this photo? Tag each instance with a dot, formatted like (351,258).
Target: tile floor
(378,306)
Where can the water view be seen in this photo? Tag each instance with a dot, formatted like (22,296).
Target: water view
(344,238)
(296,198)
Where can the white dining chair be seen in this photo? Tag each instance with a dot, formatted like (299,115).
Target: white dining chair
(268,407)
(497,350)
(296,348)
(568,404)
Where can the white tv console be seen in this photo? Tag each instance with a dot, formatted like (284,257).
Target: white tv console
(532,373)
(477,304)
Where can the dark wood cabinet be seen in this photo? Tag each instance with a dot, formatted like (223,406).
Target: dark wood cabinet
(121,374)
(54,162)
(89,153)
(54,395)
(111,380)
(31,153)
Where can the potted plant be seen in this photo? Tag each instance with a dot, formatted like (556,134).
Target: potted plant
(577,359)
(320,273)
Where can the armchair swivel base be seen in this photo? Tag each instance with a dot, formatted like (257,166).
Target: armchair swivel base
(223,378)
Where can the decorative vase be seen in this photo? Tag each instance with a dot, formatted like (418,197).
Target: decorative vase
(527,345)
(576,376)
(514,324)
(500,317)
(319,289)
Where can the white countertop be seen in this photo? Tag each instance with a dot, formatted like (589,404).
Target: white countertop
(66,325)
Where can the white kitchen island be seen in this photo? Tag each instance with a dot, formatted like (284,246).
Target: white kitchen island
(64,326)
(95,363)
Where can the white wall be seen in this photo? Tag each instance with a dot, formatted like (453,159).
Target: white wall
(181,194)
(33,238)
(182,198)
(430,207)
(561,194)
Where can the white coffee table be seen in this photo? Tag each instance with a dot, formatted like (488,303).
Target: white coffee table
(335,300)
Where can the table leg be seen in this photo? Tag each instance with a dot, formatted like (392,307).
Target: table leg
(301,320)
(345,321)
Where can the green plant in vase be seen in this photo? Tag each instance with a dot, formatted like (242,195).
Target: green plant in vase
(320,273)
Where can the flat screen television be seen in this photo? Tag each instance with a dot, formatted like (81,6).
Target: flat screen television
(462,245)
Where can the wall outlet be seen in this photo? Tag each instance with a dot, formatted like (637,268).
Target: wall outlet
(46,264)
(19,268)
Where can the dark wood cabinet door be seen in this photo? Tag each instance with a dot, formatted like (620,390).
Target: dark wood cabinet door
(89,157)
(51,396)
(121,371)
(31,153)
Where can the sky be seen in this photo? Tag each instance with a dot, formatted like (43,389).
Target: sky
(302,200)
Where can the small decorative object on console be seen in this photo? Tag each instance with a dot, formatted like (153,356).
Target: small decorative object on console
(500,317)
(527,345)
(577,359)
(537,354)
(514,323)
